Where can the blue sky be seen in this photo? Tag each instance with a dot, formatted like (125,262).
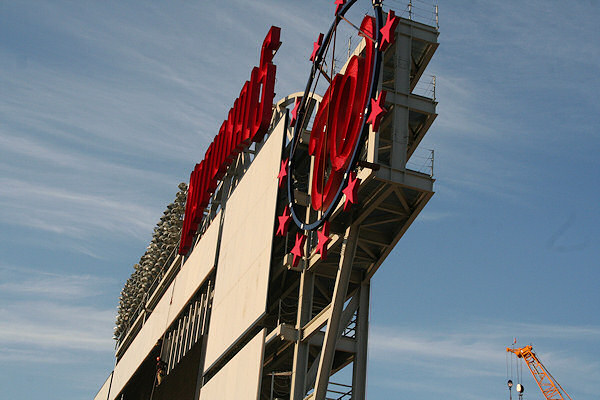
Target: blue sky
(106,106)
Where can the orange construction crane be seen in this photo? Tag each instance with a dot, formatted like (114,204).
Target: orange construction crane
(548,385)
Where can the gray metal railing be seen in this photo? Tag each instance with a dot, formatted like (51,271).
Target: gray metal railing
(339,391)
(425,12)
(422,160)
(426,87)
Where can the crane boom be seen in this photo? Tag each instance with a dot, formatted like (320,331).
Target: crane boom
(548,385)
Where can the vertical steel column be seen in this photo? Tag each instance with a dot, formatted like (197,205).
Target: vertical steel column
(204,321)
(400,130)
(337,307)
(300,365)
(200,316)
(305,304)
(174,346)
(359,368)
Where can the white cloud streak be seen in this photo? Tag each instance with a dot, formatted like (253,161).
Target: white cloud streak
(45,317)
(34,283)
(476,352)
(73,214)
(55,325)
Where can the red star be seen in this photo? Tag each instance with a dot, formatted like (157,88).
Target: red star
(388,30)
(339,4)
(377,111)
(324,238)
(295,111)
(298,250)
(284,222)
(351,190)
(316,47)
(282,172)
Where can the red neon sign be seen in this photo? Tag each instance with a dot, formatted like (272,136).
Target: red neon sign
(349,105)
(248,121)
(338,123)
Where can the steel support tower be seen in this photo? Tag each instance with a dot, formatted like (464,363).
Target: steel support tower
(323,317)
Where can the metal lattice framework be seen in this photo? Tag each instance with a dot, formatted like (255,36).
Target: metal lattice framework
(550,388)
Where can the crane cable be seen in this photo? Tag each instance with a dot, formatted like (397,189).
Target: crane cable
(508,377)
(517,373)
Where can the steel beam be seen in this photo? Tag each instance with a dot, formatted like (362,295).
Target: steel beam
(359,368)
(337,307)
(300,361)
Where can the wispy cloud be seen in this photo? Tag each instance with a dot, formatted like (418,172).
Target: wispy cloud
(475,341)
(56,325)
(476,350)
(22,355)
(467,139)
(73,214)
(433,216)
(40,152)
(460,117)
(34,283)
(46,316)
(494,108)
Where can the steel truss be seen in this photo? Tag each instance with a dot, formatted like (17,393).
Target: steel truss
(320,309)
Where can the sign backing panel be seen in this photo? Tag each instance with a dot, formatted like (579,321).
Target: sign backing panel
(242,279)
(240,378)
